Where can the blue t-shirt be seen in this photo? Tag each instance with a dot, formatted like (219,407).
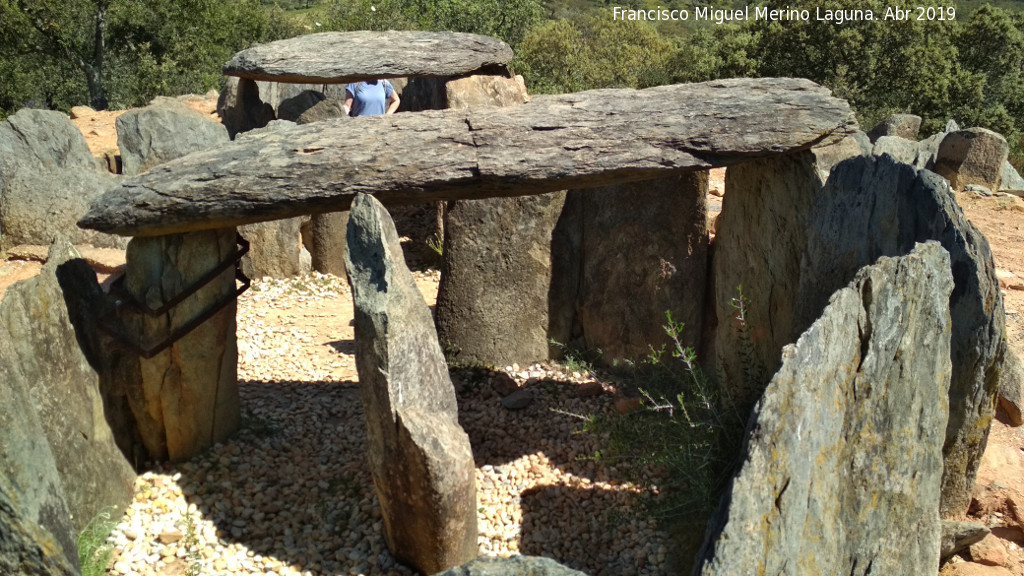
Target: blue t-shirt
(369,98)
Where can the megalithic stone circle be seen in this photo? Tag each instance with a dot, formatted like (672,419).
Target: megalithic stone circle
(419,455)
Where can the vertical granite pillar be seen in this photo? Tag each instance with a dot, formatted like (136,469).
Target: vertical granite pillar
(184,398)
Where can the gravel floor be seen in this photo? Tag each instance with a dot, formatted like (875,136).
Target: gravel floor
(290,492)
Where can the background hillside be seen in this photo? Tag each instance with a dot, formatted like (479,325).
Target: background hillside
(118,53)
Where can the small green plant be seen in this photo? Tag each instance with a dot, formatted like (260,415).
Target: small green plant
(575,360)
(94,552)
(753,372)
(436,244)
(193,556)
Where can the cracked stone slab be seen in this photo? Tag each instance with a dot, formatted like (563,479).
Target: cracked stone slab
(344,57)
(582,140)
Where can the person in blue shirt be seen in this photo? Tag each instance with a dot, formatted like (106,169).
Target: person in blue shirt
(371,98)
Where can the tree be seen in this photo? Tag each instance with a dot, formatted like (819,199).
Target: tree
(72,31)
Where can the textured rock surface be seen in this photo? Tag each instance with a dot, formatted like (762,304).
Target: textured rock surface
(514,566)
(328,250)
(638,251)
(185,398)
(1011,388)
(843,464)
(241,108)
(482,90)
(52,356)
(898,125)
(343,57)
(1010,180)
(761,237)
(492,304)
(274,249)
(972,156)
(420,457)
(873,207)
(164,130)
(826,157)
(958,536)
(48,178)
(324,110)
(32,500)
(600,137)
(26,548)
(901,149)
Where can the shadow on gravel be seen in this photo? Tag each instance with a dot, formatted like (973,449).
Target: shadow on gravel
(292,483)
(344,346)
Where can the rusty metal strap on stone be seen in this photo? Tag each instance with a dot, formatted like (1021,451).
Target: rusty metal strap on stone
(126,299)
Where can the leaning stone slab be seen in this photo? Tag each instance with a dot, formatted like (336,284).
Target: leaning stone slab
(185,398)
(275,249)
(901,149)
(343,57)
(54,355)
(599,137)
(27,548)
(972,156)
(1011,180)
(513,566)
(420,457)
(843,464)
(164,130)
(872,207)
(1011,388)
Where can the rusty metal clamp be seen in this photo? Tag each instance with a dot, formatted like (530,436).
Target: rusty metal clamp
(126,300)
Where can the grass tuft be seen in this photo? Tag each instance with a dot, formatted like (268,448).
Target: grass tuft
(94,552)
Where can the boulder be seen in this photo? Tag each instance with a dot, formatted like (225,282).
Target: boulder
(826,157)
(639,251)
(482,90)
(901,149)
(972,569)
(26,547)
(327,109)
(344,57)
(513,566)
(972,156)
(43,140)
(492,302)
(293,107)
(898,125)
(240,107)
(842,467)
(958,536)
(54,355)
(872,207)
(48,178)
(581,140)
(185,397)
(419,456)
(274,249)
(164,130)
(1011,388)
(1010,179)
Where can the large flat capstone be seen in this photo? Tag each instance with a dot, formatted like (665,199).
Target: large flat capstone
(343,57)
(582,140)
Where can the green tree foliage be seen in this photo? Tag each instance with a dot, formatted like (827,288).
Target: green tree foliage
(122,52)
(593,52)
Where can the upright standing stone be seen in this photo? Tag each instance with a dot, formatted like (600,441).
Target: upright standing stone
(328,250)
(641,250)
(903,126)
(874,207)
(52,353)
(185,398)
(274,248)
(972,156)
(761,237)
(843,464)
(492,303)
(420,457)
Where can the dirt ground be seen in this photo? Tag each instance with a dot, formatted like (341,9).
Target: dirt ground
(1001,220)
